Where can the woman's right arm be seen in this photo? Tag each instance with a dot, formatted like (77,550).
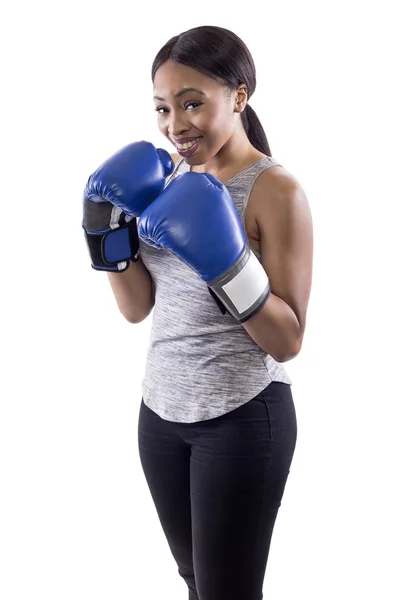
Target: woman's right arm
(134,291)
(134,288)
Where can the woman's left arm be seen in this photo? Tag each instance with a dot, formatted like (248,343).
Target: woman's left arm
(285,227)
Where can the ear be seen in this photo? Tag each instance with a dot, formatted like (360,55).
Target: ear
(240,98)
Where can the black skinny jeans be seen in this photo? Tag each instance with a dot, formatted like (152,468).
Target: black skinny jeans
(217,486)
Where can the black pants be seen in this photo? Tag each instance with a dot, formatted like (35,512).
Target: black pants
(217,486)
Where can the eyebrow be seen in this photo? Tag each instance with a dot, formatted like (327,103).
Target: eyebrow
(181,92)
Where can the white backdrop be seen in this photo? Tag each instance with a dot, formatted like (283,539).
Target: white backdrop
(76,517)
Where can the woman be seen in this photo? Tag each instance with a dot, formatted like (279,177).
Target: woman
(217,424)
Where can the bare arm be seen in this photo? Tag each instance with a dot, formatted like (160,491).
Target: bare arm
(134,291)
(286,237)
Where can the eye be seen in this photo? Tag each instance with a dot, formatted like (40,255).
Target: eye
(195,104)
(161,110)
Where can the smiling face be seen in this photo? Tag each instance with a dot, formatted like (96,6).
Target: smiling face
(195,112)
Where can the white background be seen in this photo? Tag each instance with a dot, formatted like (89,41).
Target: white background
(76,517)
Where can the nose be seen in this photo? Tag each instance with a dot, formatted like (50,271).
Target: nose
(177,124)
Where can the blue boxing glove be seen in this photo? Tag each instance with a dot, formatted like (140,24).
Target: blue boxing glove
(120,190)
(195,218)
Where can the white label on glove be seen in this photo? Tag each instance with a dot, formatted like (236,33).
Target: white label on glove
(248,285)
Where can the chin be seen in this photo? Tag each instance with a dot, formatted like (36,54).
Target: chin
(194,161)
(197,160)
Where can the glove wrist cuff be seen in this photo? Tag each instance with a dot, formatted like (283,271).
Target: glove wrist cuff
(113,249)
(244,288)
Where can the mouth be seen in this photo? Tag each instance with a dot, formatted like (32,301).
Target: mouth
(188,148)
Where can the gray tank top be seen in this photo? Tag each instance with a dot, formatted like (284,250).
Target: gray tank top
(200,363)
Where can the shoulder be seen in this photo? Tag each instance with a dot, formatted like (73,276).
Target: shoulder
(276,191)
(281,215)
(273,181)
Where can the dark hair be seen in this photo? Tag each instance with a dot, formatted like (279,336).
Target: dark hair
(222,55)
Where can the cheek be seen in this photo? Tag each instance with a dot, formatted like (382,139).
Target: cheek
(215,123)
(163,125)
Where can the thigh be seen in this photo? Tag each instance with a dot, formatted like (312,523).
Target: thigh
(166,464)
(239,468)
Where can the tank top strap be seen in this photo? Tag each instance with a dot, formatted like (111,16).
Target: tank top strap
(241,184)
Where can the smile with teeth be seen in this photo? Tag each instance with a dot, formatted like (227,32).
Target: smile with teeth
(186,145)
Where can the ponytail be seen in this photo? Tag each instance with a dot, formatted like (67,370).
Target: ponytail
(255,131)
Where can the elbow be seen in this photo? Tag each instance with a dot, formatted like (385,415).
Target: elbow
(135,319)
(132,320)
(288,354)
(282,358)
